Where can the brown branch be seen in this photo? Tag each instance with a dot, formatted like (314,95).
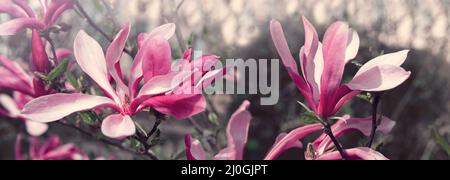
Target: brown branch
(107,142)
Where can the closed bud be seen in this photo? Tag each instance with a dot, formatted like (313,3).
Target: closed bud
(39,58)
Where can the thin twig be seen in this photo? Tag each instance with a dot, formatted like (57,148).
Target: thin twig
(376,103)
(197,126)
(95,26)
(105,141)
(53,48)
(178,33)
(329,132)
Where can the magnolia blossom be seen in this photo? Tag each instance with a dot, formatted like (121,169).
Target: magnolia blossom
(323,64)
(12,108)
(26,18)
(323,147)
(152,65)
(52,149)
(237,134)
(25,87)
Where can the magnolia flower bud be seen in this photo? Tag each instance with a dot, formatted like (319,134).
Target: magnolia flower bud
(39,59)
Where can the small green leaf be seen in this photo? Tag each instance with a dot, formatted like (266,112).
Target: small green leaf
(89,117)
(440,140)
(308,118)
(58,71)
(72,79)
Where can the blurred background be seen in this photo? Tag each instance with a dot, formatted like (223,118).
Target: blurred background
(240,29)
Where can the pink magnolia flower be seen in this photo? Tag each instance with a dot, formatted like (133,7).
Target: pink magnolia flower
(26,18)
(323,147)
(152,65)
(52,149)
(17,78)
(323,64)
(25,87)
(12,108)
(237,134)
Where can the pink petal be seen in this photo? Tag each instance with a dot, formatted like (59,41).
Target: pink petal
(380,78)
(39,60)
(395,59)
(57,14)
(7,6)
(39,87)
(115,51)
(280,137)
(13,82)
(194,150)
(311,39)
(90,57)
(54,10)
(12,68)
(21,99)
(213,76)
(283,49)
(35,128)
(313,71)
(24,5)
(16,25)
(178,106)
(355,154)
(158,58)
(57,106)
(344,100)
(166,31)
(15,68)
(62,54)
(44,5)
(64,152)
(237,134)
(118,126)
(113,57)
(291,139)
(136,74)
(353,46)
(352,124)
(10,105)
(159,85)
(163,84)
(52,142)
(334,48)
(187,54)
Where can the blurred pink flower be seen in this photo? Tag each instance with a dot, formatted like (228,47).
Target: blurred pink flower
(25,86)
(12,108)
(17,78)
(237,134)
(323,67)
(26,18)
(52,149)
(152,65)
(323,147)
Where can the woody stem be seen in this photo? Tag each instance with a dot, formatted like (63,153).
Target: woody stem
(376,102)
(329,132)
